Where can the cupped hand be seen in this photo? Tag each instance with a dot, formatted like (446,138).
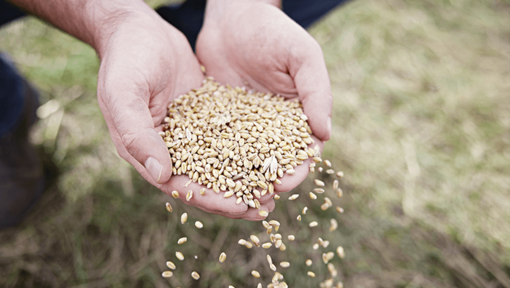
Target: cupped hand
(254,44)
(145,64)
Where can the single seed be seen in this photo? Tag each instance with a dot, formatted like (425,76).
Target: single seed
(267,245)
(255,240)
(339,192)
(340,174)
(179,255)
(339,209)
(311,274)
(230,286)
(294,197)
(318,182)
(304,210)
(320,169)
(241,242)
(255,274)
(248,245)
(317,159)
(228,194)
(313,224)
(182,240)
(259,285)
(184,217)
(276,197)
(298,217)
(263,213)
(312,196)
(189,195)
(334,225)
(291,172)
(308,262)
(325,206)
(340,251)
(175,194)
(199,224)
(291,237)
(272,267)
(170,265)
(330,255)
(202,191)
(195,275)
(223,256)
(327,163)
(285,264)
(169,207)
(318,190)
(315,246)
(167,274)
(335,184)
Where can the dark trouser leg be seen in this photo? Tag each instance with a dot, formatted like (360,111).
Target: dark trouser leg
(21,179)
(189,16)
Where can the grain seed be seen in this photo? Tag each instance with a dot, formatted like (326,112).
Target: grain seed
(167,274)
(179,255)
(312,196)
(334,225)
(263,213)
(255,274)
(170,265)
(308,262)
(330,171)
(169,207)
(327,163)
(335,184)
(318,182)
(255,240)
(340,174)
(339,192)
(175,194)
(241,242)
(318,190)
(199,224)
(294,197)
(223,256)
(339,209)
(340,251)
(311,274)
(291,237)
(298,217)
(313,224)
(189,195)
(248,245)
(267,245)
(304,210)
(182,240)
(285,264)
(195,275)
(202,191)
(184,217)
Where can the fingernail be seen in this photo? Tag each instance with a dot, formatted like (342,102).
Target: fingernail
(152,165)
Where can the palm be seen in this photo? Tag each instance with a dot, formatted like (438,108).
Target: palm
(258,46)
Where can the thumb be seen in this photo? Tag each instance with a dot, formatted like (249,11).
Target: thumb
(308,69)
(132,129)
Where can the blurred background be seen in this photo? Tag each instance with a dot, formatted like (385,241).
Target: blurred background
(421,130)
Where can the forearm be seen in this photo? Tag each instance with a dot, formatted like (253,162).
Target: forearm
(91,21)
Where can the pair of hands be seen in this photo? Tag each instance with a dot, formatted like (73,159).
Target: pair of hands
(146,63)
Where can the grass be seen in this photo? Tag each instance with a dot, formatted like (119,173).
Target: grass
(421,130)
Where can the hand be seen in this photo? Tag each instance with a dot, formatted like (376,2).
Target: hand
(145,64)
(252,43)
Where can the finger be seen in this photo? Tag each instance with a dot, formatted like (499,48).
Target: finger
(289,182)
(308,69)
(211,201)
(253,214)
(125,106)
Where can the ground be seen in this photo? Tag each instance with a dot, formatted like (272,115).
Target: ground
(421,131)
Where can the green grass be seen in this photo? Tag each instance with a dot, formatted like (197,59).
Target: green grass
(421,130)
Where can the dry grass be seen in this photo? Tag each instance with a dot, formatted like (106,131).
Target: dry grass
(421,131)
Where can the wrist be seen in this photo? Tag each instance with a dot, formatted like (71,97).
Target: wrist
(113,17)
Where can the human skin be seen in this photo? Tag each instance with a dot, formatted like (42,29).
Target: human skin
(253,43)
(145,64)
